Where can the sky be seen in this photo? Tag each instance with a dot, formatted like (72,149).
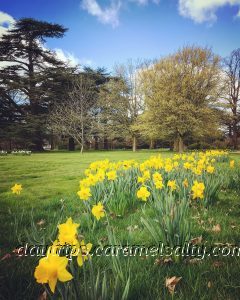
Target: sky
(104,32)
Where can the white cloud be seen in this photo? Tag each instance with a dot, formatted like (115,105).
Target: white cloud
(6,22)
(106,15)
(71,59)
(110,13)
(145,2)
(204,10)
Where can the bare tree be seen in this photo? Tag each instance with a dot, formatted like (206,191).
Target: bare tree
(232,71)
(131,73)
(73,117)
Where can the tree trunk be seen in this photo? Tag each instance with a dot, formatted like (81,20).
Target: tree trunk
(235,136)
(71,144)
(105,143)
(235,123)
(180,144)
(96,143)
(134,144)
(52,141)
(176,145)
(152,144)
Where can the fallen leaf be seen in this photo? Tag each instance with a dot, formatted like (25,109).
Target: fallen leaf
(103,239)
(132,228)
(216,228)
(194,261)
(143,257)
(41,222)
(209,285)
(168,260)
(158,261)
(80,237)
(197,240)
(217,264)
(171,283)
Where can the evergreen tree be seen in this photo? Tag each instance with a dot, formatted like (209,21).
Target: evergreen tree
(26,63)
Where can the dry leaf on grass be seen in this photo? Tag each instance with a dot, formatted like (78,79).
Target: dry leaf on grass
(171,283)
(216,228)
(209,285)
(217,264)
(195,261)
(166,261)
(132,228)
(196,241)
(41,222)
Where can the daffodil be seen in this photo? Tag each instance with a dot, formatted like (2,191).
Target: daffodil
(185,183)
(187,165)
(100,175)
(84,193)
(98,211)
(16,189)
(143,193)
(157,177)
(172,185)
(168,167)
(111,175)
(84,252)
(68,232)
(146,175)
(232,164)
(159,184)
(51,269)
(141,179)
(210,169)
(198,189)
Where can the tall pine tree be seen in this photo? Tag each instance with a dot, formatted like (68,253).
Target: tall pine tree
(26,63)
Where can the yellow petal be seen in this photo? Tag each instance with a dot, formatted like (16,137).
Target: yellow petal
(52,284)
(64,275)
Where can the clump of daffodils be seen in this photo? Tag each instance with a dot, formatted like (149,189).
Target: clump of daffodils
(154,176)
(54,267)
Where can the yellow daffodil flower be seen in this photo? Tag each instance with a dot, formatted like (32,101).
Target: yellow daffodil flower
(16,189)
(98,211)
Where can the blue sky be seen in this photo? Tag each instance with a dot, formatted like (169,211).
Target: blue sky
(104,32)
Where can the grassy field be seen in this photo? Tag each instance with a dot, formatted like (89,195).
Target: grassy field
(50,182)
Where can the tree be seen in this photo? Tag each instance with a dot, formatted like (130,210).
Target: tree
(26,63)
(100,77)
(232,76)
(131,73)
(74,116)
(114,107)
(180,92)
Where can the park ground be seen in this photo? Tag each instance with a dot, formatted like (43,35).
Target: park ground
(50,182)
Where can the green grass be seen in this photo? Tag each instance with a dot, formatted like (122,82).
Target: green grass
(49,177)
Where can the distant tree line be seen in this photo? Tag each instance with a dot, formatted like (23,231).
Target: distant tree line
(189,99)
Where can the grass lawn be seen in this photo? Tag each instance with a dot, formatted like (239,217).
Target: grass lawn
(50,182)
